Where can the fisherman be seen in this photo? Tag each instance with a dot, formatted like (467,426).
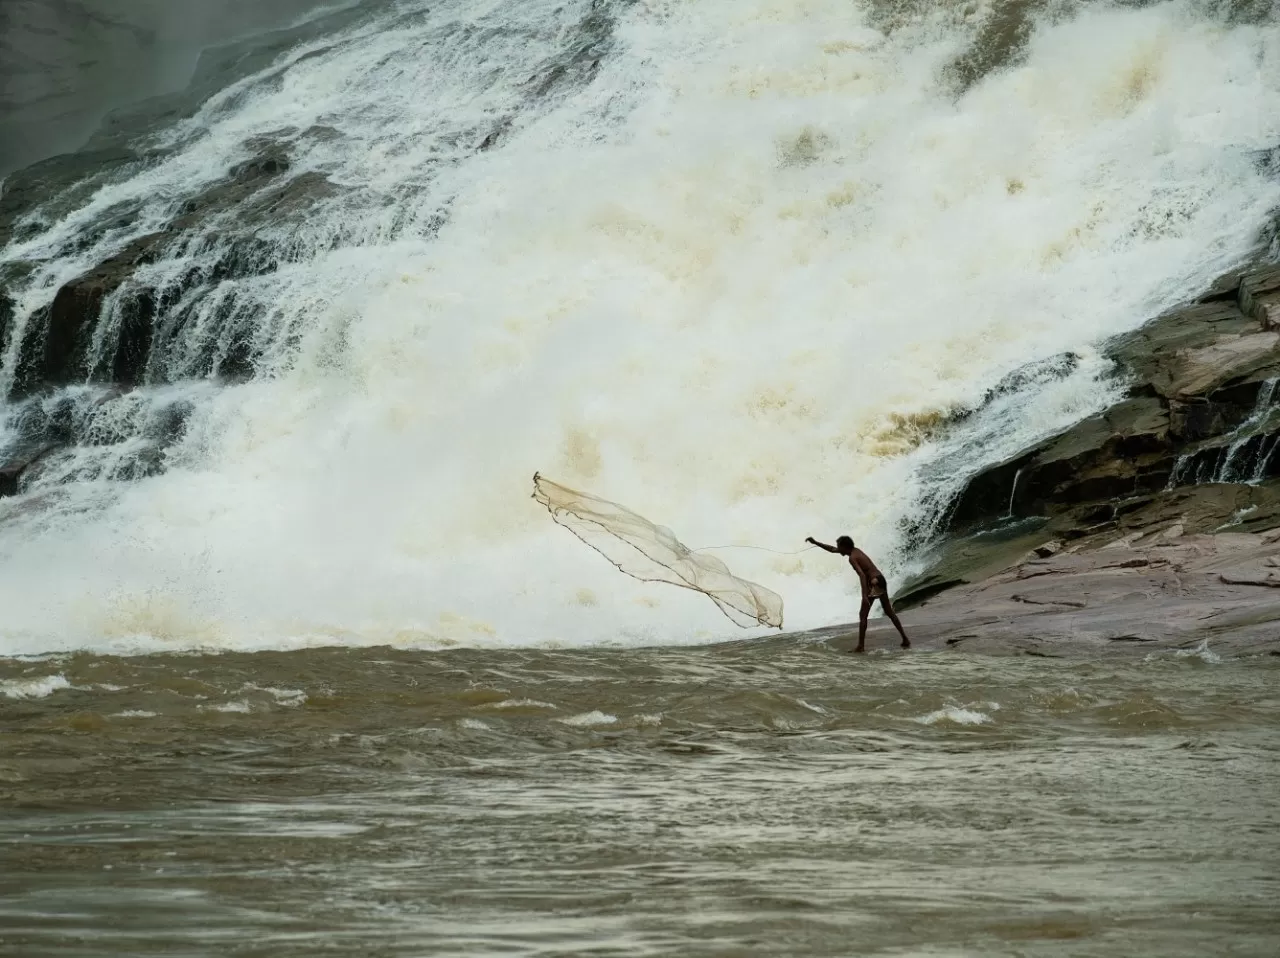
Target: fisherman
(873,587)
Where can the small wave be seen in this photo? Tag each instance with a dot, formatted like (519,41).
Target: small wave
(290,697)
(474,724)
(135,713)
(812,708)
(590,718)
(33,688)
(521,704)
(1201,652)
(955,715)
(241,705)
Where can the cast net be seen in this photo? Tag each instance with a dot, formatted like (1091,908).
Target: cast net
(652,553)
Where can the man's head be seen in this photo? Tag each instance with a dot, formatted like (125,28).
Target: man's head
(844,546)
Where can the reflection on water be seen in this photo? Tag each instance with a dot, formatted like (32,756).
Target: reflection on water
(761,798)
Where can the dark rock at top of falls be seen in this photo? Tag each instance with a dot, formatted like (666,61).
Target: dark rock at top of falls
(70,178)
(1191,428)
(160,301)
(77,341)
(57,339)
(109,326)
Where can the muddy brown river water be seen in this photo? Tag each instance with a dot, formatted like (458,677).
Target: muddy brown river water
(759,798)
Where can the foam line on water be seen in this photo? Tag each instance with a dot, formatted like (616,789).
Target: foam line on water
(733,283)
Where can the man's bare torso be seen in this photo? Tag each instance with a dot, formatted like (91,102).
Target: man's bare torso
(862,564)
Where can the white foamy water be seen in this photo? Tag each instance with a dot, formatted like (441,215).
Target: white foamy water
(520,704)
(729,283)
(286,697)
(33,688)
(1201,652)
(240,705)
(595,717)
(955,715)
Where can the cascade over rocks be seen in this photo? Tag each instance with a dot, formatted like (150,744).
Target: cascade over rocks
(1200,384)
(101,325)
(109,326)
(55,185)
(167,304)
(68,336)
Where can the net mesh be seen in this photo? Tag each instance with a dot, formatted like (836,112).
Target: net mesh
(652,553)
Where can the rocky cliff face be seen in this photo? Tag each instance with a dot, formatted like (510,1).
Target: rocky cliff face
(1194,441)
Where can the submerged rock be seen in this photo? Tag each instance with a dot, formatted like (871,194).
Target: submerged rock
(15,465)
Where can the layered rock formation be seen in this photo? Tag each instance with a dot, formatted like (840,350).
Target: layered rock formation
(1193,443)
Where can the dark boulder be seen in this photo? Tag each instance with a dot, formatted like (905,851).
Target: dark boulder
(1000,41)
(1118,453)
(67,356)
(102,326)
(6,317)
(15,464)
(1197,418)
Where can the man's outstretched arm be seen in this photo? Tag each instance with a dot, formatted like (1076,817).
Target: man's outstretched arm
(821,545)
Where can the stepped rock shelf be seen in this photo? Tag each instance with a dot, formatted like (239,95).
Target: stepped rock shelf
(1161,592)
(1191,446)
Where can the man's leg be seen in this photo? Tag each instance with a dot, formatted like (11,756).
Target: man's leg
(893,617)
(862,625)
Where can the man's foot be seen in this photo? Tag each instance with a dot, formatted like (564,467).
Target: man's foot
(859,649)
(905,644)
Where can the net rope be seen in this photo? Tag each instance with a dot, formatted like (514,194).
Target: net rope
(652,553)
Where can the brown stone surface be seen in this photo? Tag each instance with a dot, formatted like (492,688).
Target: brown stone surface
(1152,591)
(79,302)
(1258,289)
(1197,371)
(1195,376)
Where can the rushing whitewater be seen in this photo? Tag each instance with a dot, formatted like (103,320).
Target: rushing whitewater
(733,272)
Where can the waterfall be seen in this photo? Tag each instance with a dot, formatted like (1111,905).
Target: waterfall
(753,269)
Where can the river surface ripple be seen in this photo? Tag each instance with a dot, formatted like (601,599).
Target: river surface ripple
(761,798)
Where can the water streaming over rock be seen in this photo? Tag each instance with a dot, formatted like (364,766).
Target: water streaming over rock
(736,265)
(1246,458)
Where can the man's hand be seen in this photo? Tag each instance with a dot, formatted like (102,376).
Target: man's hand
(812,541)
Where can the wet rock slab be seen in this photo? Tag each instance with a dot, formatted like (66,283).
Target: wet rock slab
(1160,590)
